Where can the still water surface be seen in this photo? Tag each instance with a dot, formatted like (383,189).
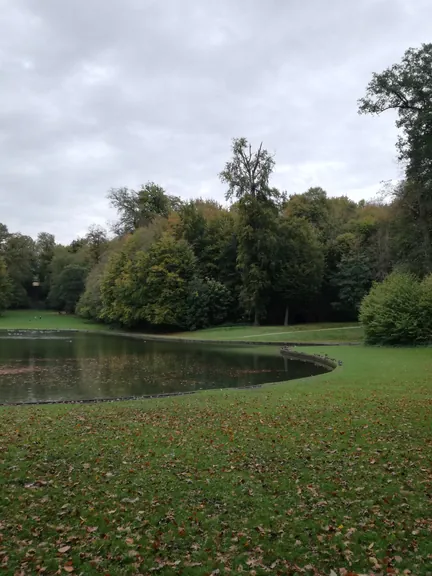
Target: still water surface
(53,366)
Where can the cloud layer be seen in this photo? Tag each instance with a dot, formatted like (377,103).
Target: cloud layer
(99,94)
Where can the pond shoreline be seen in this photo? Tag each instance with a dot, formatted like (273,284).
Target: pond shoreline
(153,337)
(318,360)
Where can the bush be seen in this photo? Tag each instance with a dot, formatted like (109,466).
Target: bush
(398,311)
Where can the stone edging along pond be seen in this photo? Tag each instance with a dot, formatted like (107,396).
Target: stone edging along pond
(317,359)
(286,351)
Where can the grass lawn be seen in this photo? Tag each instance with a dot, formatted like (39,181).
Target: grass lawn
(334,332)
(314,333)
(44,320)
(315,475)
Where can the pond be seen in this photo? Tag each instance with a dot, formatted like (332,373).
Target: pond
(65,366)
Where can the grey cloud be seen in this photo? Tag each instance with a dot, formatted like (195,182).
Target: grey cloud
(99,94)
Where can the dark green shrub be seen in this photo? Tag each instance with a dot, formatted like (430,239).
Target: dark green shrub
(392,311)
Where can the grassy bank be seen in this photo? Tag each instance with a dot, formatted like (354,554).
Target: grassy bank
(300,478)
(314,333)
(44,320)
(335,332)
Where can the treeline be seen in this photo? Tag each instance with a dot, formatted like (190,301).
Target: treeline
(265,257)
(193,264)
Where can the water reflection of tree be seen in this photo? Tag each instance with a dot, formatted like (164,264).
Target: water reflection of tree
(99,366)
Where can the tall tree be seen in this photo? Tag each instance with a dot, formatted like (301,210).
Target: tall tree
(299,263)
(408,230)
(4,235)
(89,305)
(139,208)
(67,288)
(192,227)
(314,207)
(406,88)
(45,245)
(149,287)
(5,286)
(353,279)
(97,241)
(21,262)
(247,176)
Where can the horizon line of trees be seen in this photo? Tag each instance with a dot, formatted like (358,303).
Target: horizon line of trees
(267,257)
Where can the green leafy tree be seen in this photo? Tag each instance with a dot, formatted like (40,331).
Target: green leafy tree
(77,246)
(170,267)
(151,287)
(299,263)
(4,235)
(207,304)
(247,177)
(140,208)
(341,213)
(211,231)
(405,88)
(221,257)
(97,242)
(257,242)
(109,293)
(407,231)
(353,279)
(314,207)
(5,286)
(248,173)
(193,228)
(68,287)
(115,290)
(45,245)
(89,305)
(21,262)
(64,256)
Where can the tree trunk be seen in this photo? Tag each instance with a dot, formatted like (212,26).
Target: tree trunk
(286,315)
(256,318)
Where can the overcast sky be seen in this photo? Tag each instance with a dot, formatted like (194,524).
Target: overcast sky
(105,93)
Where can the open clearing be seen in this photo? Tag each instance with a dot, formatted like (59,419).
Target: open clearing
(304,477)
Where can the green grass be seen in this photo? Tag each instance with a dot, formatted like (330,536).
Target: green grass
(314,333)
(306,477)
(334,332)
(44,320)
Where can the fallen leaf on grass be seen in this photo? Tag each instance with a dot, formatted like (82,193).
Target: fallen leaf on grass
(36,484)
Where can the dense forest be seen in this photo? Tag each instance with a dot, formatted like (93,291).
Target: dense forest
(266,256)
